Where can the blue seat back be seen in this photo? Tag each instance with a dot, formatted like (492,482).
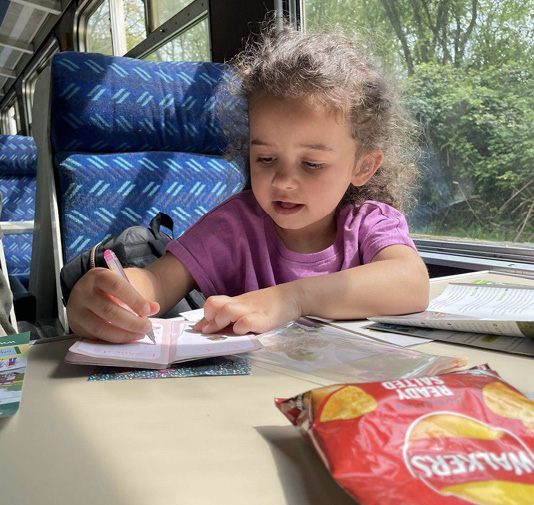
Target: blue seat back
(18,168)
(132,138)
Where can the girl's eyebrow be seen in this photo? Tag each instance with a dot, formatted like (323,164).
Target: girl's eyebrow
(258,142)
(317,147)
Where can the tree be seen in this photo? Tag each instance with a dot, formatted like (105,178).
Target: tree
(482,121)
(458,32)
(466,69)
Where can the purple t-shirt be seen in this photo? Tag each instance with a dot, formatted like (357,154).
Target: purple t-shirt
(235,248)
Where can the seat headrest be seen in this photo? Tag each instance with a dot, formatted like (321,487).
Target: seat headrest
(106,103)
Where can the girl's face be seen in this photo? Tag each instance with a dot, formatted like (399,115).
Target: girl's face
(302,160)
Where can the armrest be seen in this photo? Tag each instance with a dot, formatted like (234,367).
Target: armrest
(16,227)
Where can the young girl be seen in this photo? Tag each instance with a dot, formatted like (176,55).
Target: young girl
(317,233)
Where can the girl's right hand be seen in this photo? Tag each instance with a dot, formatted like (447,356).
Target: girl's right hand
(94,312)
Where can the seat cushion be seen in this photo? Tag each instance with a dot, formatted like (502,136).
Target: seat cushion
(18,155)
(106,193)
(18,197)
(18,204)
(18,252)
(106,104)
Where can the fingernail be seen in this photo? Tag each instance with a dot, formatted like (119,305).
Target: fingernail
(145,310)
(147,327)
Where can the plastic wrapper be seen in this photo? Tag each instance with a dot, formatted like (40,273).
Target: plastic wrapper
(341,356)
(460,438)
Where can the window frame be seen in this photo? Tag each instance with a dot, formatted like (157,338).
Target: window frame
(81,17)
(194,13)
(33,71)
(11,102)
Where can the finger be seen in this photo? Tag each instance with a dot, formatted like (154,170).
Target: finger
(200,324)
(154,308)
(213,305)
(103,307)
(227,315)
(113,284)
(97,328)
(251,323)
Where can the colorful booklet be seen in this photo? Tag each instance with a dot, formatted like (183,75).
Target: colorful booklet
(176,341)
(13,355)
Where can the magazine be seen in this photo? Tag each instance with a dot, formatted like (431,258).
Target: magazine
(492,309)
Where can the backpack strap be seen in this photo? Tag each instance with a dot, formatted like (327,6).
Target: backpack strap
(161,219)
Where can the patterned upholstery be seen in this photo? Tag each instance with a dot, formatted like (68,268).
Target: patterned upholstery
(18,166)
(132,138)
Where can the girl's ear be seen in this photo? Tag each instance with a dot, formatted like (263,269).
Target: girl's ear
(366,166)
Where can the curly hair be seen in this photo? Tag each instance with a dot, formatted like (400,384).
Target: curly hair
(329,70)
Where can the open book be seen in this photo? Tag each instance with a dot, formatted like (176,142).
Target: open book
(495,309)
(175,342)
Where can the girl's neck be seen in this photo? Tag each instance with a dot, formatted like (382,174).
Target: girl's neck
(311,239)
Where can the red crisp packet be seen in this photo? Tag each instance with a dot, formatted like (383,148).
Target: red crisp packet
(460,438)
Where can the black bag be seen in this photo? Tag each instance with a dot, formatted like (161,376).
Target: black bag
(136,246)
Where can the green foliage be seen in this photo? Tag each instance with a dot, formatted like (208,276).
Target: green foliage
(481,123)
(452,32)
(466,67)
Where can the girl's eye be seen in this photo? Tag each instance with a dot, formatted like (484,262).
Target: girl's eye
(266,160)
(313,166)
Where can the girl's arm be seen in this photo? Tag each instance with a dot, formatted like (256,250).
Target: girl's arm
(395,282)
(93,313)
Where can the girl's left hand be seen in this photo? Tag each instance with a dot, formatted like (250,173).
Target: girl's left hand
(256,311)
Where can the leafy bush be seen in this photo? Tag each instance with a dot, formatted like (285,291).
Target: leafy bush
(480,125)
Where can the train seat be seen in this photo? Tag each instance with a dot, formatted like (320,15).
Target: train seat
(121,140)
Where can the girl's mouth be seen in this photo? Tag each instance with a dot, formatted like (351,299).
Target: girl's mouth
(286,207)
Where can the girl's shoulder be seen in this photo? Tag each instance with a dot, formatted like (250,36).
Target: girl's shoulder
(370,209)
(237,210)
(243,202)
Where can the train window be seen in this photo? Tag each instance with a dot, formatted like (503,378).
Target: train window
(190,45)
(163,10)
(151,29)
(134,22)
(11,117)
(98,30)
(466,68)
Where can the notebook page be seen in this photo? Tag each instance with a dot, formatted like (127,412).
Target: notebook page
(192,344)
(142,351)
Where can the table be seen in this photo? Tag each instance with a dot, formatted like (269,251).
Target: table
(191,441)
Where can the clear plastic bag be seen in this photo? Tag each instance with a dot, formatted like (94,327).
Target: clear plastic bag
(318,349)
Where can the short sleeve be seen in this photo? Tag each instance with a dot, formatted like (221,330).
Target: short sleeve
(225,251)
(381,226)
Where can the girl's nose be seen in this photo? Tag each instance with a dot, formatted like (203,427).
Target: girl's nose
(285,179)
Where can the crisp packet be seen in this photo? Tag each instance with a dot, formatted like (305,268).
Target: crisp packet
(460,438)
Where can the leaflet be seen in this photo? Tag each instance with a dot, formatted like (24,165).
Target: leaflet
(13,359)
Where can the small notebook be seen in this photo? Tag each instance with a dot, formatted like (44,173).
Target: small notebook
(176,341)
